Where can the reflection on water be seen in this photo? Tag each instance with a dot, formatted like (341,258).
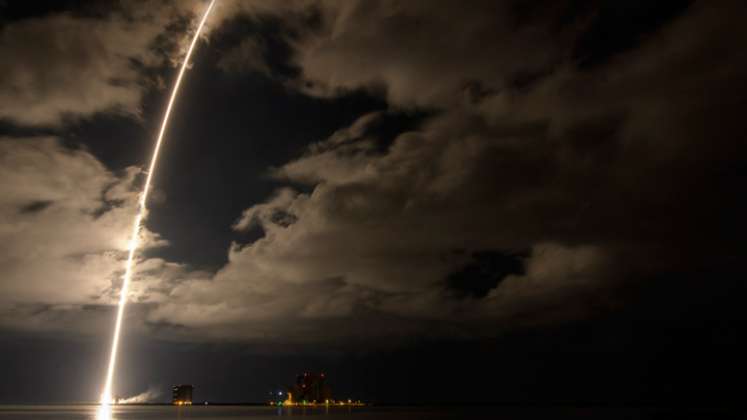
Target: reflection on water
(119,412)
(104,412)
(164,412)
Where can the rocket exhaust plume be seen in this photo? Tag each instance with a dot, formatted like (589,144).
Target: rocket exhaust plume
(106,395)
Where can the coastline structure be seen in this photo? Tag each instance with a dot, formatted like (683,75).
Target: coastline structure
(311,390)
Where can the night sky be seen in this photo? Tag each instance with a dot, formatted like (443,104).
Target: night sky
(430,201)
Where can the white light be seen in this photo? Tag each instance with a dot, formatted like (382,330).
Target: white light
(104,412)
(106,398)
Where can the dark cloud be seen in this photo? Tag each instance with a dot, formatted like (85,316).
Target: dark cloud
(483,273)
(36,206)
(618,27)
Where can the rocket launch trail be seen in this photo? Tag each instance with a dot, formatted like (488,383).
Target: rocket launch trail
(106,395)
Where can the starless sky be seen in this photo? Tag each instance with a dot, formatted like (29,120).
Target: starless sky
(431,201)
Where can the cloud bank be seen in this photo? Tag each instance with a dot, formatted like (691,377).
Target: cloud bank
(536,185)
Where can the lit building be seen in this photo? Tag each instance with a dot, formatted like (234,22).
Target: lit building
(310,388)
(182,395)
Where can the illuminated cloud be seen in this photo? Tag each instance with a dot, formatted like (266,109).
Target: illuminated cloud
(65,66)
(66,221)
(532,152)
(575,177)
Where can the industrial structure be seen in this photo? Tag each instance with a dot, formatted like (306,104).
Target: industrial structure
(311,387)
(310,390)
(182,395)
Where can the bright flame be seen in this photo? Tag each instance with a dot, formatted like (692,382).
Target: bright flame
(106,395)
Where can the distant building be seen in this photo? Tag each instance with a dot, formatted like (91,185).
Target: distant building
(310,387)
(182,395)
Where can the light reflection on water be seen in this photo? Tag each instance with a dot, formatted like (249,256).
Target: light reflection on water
(96,412)
(165,412)
(104,412)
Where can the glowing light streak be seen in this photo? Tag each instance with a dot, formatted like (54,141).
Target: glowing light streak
(106,395)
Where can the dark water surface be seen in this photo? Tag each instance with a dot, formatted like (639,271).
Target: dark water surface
(90,412)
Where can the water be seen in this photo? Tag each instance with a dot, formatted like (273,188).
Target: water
(89,412)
